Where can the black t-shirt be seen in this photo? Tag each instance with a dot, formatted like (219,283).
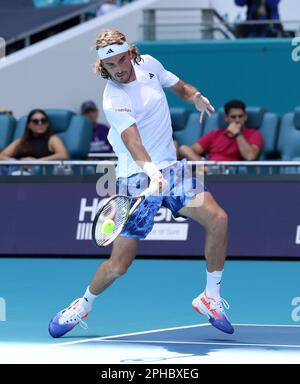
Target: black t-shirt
(39,148)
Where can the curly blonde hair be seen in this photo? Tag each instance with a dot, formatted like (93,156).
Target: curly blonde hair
(109,37)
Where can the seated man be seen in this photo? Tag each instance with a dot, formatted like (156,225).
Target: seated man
(234,143)
(99,143)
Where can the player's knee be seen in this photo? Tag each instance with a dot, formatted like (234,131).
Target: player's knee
(120,268)
(219,221)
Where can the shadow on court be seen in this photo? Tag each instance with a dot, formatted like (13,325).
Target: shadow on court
(198,343)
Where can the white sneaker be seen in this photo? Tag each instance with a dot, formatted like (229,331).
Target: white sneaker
(214,310)
(65,320)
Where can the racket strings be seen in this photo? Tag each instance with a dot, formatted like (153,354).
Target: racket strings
(116,209)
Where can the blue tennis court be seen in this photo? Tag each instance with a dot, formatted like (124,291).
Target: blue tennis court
(146,316)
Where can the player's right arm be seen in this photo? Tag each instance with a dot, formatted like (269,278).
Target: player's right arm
(9,152)
(118,109)
(133,142)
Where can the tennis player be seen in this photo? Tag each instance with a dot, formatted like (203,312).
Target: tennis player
(141,133)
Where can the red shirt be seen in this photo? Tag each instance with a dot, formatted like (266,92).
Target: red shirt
(221,147)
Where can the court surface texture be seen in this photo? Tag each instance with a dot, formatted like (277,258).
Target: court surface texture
(146,316)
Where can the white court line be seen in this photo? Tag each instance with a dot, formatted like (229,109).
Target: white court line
(203,343)
(268,325)
(128,334)
(104,338)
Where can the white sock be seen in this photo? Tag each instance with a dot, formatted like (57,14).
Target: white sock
(213,284)
(88,299)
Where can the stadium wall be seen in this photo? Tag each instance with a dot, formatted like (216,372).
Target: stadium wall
(49,216)
(263,72)
(58,72)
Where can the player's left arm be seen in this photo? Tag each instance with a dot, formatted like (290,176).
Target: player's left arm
(191,94)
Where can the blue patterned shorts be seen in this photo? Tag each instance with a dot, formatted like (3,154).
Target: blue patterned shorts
(183,186)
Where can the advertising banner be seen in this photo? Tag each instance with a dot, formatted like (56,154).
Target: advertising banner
(55,218)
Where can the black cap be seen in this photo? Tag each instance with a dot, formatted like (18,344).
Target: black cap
(88,106)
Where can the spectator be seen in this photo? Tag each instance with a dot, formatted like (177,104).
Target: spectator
(234,143)
(259,10)
(38,141)
(99,142)
(107,6)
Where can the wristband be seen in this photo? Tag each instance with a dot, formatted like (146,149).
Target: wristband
(150,169)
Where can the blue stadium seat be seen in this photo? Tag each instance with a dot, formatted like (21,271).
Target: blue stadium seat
(289,136)
(269,129)
(179,116)
(191,131)
(214,122)
(77,1)
(75,130)
(46,3)
(7,128)
(78,136)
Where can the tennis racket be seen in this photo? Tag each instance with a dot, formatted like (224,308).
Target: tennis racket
(116,208)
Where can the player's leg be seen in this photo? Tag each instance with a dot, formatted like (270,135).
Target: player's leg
(214,220)
(123,253)
(138,226)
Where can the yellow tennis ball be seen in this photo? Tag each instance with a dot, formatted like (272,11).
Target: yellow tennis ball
(108,227)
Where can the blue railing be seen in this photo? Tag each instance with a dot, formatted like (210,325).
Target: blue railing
(89,167)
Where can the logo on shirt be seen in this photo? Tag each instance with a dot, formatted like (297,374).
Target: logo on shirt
(122,110)
(151,75)
(109,51)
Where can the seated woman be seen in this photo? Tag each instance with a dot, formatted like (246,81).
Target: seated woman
(38,141)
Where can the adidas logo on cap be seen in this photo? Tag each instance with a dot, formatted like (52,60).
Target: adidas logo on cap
(151,75)
(109,51)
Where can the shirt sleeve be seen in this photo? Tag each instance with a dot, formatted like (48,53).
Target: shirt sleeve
(166,78)
(256,139)
(206,140)
(118,112)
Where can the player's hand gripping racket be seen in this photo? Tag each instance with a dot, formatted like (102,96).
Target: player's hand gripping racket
(113,215)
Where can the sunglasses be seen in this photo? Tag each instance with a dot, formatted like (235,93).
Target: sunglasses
(43,120)
(236,116)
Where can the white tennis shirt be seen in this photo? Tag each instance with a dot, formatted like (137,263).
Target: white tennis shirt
(144,103)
